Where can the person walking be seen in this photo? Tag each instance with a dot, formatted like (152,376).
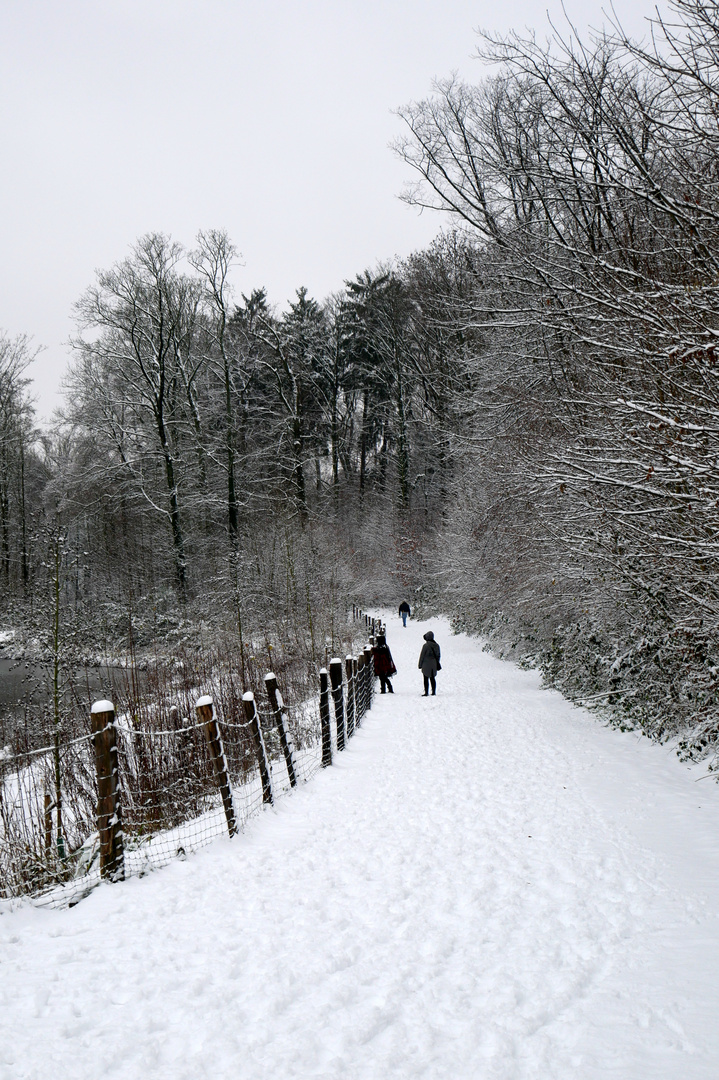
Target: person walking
(429,663)
(383,664)
(404,612)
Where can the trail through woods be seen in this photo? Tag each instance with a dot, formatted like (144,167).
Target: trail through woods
(487,885)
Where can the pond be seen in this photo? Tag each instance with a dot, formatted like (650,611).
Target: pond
(26,691)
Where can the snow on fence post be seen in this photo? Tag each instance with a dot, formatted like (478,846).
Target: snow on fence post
(277,706)
(325,719)
(349,670)
(253,721)
(338,698)
(109,817)
(211,729)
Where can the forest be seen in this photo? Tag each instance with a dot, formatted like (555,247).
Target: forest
(518,426)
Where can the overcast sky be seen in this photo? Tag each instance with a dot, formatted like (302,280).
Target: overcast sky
(271,120)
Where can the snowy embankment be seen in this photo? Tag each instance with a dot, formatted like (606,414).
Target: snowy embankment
(488,885)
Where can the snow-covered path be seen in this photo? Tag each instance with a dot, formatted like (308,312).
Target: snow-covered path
(488,885)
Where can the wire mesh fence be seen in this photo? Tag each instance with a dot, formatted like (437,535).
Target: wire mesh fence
(163,773)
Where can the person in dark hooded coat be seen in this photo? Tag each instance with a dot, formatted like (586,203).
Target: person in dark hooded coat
(429,663)
(383,664)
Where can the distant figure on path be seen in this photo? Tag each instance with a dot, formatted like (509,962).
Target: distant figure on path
(404,612)
(383,664)
(429,663)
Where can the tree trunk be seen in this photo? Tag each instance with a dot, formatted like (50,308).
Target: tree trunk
(178,541)
(402,443)
(363,445)
(23,521)
(298,475)
(232,512)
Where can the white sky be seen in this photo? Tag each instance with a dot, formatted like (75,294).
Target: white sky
(270,119)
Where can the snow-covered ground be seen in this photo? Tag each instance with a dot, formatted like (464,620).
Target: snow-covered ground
(488,885)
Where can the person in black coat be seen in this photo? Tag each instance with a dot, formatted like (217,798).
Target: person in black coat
(429,663)
(383,664)
(404,612)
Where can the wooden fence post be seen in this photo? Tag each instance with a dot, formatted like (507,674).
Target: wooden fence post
(325,719)
(369,676)
(211,729)
(109,817)
(349,670)
(338,698)
(359,692)
(253,720)
(359,689)
(277,705)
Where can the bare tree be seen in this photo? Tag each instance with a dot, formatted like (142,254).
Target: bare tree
(139,315)
(213,259)
(16,438)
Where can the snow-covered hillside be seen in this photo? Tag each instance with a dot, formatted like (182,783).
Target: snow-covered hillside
(487,885)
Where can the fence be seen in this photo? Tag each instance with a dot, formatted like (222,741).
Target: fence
(148,785)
